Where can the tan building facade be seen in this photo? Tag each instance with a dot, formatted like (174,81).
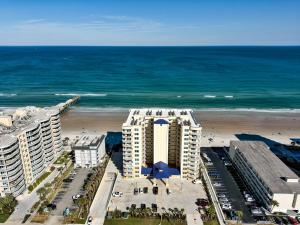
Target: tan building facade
(171,136)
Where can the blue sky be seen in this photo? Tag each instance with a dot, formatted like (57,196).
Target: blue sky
(149,22)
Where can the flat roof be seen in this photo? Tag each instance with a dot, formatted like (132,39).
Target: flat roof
(268,166)
(87,141)
(7,140)
(184,116)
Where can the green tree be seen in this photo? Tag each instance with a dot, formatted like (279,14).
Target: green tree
(42,192)
(274,204)
(211,212)
(239,215)
(8,204)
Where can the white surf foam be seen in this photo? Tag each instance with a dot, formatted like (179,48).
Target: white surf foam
(209,96)
(228,96)
(7,95)
(82,94)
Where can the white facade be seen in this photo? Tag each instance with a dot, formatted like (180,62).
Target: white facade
(171,136)
(89,151)
(266,175)
(39,143)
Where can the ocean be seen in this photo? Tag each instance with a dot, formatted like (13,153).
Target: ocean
(262,78)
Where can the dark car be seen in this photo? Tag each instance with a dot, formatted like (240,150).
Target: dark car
(51,206)
(155,190)
(145,190)
(143,206)
(154,207)
(133,206)
(135,191)
(202,202)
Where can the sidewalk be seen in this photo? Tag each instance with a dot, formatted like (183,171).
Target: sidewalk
(194,219)
(26,201)
(99,206)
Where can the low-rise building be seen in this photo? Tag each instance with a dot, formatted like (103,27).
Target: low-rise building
(89,150)
(268,178)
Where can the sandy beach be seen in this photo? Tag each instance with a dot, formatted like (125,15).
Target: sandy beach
(219,127)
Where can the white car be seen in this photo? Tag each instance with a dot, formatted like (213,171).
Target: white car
(117,194)
(223,200)
(226,163)
(217,184)
(226,206)
(250,199)
(209,164)
(221,195)
(256,211)
(197,181)
(74,197)
(89,220)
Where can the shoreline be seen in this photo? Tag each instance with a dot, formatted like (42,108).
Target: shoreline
(221,126)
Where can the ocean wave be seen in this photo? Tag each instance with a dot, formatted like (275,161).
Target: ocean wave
(209,96)
(228,96)
(126,109)
(82,94)
(7,95)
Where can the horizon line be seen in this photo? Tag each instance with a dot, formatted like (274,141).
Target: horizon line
(256,45)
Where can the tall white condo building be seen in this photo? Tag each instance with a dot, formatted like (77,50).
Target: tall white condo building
(161,143)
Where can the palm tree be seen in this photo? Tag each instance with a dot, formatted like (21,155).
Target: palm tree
(274,204)
(42,192)
(239,215)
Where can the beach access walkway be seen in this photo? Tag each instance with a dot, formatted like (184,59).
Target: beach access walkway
(99,206)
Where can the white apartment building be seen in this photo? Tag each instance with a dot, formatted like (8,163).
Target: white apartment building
(266,175)
(89,150)
(161,136)
(33,135)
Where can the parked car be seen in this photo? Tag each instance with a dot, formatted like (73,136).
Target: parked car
(202,202)
(141,190)
(51,206)
(143,206)
(155,190)
(256,211)
(135,191)
(250,199)
(145,190)
(74,197)
(227,163)
(89,220)
(168,191)
(223,200)
(221,195)
(197,181)
(209,164)
(226,206)
(154,207)
(217,184)
(117,194)
(133,206)
(293,220)
(285,220)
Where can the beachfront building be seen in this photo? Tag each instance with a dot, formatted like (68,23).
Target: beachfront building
(266,175)
(89,150)
(161,143)
(35,142)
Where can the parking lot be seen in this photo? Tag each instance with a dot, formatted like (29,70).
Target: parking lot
(225,185)
(183,194)
(71,186)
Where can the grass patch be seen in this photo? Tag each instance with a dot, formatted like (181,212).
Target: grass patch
(38,181)
(211,222)
(63,159)
(139,221)
(3,217)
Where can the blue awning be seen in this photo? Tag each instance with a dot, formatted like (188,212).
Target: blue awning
(160,170)
(161,122)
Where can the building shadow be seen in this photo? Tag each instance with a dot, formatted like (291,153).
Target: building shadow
(113,145)
(254,137)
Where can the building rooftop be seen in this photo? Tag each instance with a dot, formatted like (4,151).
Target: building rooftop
(273,172)
(7,140)
(88,141)
(24,119)
(184,116)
